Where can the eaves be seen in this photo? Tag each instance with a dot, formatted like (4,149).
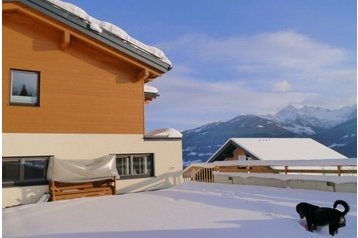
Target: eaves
(105,37)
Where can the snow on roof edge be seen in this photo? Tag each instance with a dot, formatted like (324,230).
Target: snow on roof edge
(164,133)
(150,89)
(99,26)
(310,144)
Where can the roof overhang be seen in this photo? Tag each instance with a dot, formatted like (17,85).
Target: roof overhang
(106,38)
(148,97)
(150,93)
(226,149)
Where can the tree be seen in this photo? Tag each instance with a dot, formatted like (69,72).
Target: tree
(24,91)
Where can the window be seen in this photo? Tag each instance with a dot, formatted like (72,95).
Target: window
(135,166)
(25,87)
(24,171)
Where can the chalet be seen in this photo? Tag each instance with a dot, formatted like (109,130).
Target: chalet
(75,88)
(272,149)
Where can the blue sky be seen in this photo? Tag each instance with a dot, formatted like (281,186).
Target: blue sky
(241,56)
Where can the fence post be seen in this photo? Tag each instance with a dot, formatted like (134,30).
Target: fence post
(204,178)
(193,174)
(339,168)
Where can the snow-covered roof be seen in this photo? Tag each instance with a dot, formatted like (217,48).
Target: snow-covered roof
(102,31)
(150,89)
(99,26)
(281,149)
(164,133)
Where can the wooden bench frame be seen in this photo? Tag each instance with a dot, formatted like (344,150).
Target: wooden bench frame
(62,190)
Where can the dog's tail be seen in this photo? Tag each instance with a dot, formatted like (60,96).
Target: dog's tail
(344,204)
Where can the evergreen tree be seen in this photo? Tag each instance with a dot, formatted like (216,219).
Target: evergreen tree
(24,91)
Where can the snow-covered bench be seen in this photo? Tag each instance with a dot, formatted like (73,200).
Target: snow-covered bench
(82,178)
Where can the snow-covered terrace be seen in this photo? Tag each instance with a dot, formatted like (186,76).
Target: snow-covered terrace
(186,210)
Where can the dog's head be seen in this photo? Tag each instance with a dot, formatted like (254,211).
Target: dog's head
(300,210)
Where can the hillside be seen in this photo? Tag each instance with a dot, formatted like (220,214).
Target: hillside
(334,128)
(341,138)
(200,143)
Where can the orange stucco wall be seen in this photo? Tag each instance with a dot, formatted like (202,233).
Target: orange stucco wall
(82,89)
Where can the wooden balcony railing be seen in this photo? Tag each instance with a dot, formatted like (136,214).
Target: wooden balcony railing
(203,172)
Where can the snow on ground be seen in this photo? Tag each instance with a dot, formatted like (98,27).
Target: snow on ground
(186,210)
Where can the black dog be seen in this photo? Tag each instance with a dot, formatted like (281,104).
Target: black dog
(321,216)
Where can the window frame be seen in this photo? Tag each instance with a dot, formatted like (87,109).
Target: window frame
(130,166)
(21,180)
(11,100)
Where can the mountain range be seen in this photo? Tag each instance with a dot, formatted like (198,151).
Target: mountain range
(336,129)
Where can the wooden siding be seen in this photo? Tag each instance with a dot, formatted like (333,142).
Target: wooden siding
(82,89)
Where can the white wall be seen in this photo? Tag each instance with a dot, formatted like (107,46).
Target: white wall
(167,158)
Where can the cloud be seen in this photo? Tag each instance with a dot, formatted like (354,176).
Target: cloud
(285,50)
(282,86)
(189,102)
(217,79)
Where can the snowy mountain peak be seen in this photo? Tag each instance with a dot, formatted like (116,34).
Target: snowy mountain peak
(203,128)
(315,116)
(201,142)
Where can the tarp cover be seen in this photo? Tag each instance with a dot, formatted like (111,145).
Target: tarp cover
(78,171)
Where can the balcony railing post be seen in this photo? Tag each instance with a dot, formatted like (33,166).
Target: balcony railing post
(193,174)
(339,168)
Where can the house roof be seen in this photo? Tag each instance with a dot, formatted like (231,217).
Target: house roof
(278,149)
(150,93)
(150,89)
(105,32)
(164,133)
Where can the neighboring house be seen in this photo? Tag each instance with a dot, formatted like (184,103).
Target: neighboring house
(274,149)
(74,87)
